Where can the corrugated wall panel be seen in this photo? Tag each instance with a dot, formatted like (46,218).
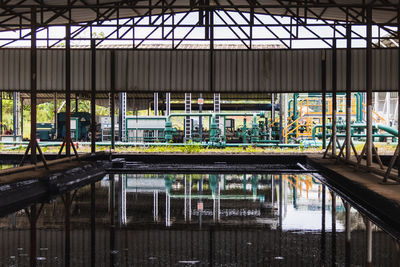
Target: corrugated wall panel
(103,70)
(81,70)
(51,70)
(235,71)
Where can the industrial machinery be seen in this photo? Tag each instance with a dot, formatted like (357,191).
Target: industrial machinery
(80,125)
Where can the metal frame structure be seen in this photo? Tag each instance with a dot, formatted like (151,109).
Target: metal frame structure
(177,22)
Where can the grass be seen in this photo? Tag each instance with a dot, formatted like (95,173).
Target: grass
(195,148)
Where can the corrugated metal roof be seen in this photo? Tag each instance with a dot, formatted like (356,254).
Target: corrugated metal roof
(179,71)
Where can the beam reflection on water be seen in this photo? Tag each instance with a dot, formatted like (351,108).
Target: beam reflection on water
(164,219)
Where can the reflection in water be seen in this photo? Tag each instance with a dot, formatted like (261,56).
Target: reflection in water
(197,219)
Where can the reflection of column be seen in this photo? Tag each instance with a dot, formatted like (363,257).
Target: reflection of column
(369,242)
(187,198)
(273,190)
(216,201)
(280,201)
(167,209)
(333,194)
(122,199)
(112,219)
(323,227)
(348,235)
(155,205)
(92,224)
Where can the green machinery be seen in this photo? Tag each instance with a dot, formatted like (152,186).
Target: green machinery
(217,137)
(80,123)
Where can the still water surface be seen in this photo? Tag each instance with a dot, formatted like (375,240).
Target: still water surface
(198,220)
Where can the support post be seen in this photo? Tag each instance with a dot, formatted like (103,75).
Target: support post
(33,142)
(22,119)
(155,104)
(93,98)
(112,101)
(369,86)
(168,104)
(68,139)
(323,86)
(1,113)
(348,91)
(200,118)
(281,118)
(398,89)
(334,103)
(55,116)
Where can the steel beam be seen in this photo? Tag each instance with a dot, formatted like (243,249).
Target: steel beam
(369,86)
(93,98)
(1,113)
(348,91)
(323,86)
(112,100)
(334,101)
(68,139)
(167,104)
(398,89)
(33,86)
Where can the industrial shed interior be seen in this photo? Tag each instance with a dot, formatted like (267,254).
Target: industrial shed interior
(200,118)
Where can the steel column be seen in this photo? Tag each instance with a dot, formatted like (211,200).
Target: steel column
(323,233)
(369,86)
(168,104)
(398,89)
(68,139)
(15,114)
(1,113)
(22,118)
(33,85)
(348,91)
(280,118)
(93,98)
(112,100)
(155,104)
(323,86)
(334,89)
(76,103)
(200,118)
(55,116)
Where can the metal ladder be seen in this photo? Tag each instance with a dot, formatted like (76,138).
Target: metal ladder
(188,121)
(217,109)
(123,112)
